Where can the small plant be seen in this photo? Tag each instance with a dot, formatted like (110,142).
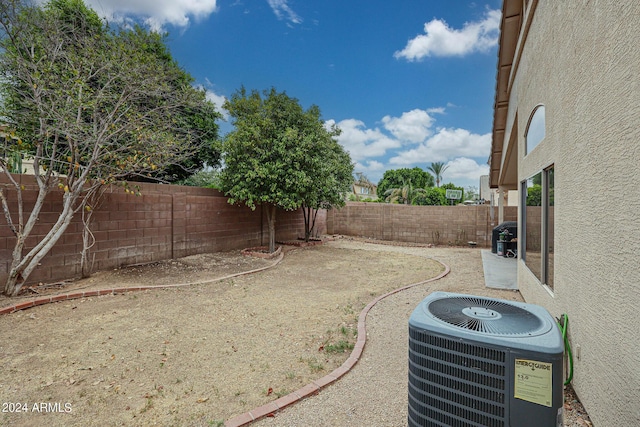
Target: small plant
(290,375)
(313,364)
(435,237)
(461,237)
(340,347)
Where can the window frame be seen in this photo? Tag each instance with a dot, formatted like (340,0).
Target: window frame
(546,228)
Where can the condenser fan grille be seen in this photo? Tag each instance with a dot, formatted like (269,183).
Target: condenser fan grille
(487,316)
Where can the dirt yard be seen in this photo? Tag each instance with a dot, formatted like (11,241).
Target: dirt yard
(193,355)
(199,354)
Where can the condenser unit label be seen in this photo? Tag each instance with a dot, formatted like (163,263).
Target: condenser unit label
(533,381)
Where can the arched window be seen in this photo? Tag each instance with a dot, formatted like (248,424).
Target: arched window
(535,129)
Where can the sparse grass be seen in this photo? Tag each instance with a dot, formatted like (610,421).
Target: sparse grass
(281,393)
(339,347)
(331,346)
(148,405)
(348,309)
(313,364)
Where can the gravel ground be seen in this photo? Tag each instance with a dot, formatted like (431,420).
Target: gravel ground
(374,392)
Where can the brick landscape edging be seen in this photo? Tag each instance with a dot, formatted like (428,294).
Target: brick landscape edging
(271,408)
(99,292)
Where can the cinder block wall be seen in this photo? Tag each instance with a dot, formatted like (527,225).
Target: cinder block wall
(417,224)
(165,222)
(169,221)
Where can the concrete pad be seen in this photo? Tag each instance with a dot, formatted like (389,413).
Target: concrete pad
(499,272)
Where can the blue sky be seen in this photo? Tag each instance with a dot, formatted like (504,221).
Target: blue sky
(409,82)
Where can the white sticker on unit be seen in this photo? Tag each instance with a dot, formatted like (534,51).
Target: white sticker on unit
(533,381)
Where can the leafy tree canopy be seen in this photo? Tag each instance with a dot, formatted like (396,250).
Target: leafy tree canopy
(91,105)
(397,178)
(432,196)
(534,195)
(282,155)
(404,194)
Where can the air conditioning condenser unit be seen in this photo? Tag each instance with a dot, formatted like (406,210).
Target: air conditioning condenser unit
(480,362)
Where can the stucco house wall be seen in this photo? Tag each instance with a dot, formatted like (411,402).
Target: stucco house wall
(581,60)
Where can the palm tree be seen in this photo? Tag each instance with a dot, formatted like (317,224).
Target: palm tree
(438,169)
(404,194)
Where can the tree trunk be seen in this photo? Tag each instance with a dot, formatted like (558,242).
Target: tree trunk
(90,203)
(22,266)
(15,277)
(88,240)
(271,219)
(313,221)
(306,212)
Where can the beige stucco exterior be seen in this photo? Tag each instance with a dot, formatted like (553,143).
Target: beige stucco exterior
(581,60)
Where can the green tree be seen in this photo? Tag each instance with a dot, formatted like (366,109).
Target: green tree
(438,168)
(92,105)
(404,194)
(396,178)
(432,196)
(207,178)
(327,166)
(280,155)
(471,193)
(534,195)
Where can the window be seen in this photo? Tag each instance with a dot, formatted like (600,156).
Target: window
(364,190)
(535,129)
(537,217)
(532,223)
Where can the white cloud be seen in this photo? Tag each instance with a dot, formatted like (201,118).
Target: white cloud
(371,168)
(446,143)
(412,140)
(441,40)
(155,13)
(362,143)
(283,11)
(211,96)
(413,126)
(218,100)
(463,169)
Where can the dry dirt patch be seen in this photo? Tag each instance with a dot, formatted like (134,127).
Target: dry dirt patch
(196,355)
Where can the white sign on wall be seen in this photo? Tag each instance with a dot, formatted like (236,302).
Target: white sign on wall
(453,194)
